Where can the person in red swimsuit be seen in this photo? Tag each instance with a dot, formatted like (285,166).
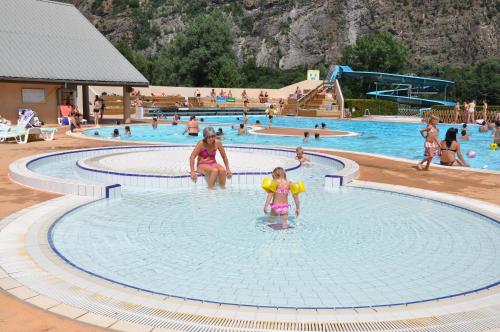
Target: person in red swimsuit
(205,151)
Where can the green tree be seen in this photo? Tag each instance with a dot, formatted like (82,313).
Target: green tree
(479,81)
(200,55)
(379,52)
(228,75)
(487,73)
(137,59)
(264,77)
(376,52)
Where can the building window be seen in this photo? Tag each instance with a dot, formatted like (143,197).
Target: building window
(33,96)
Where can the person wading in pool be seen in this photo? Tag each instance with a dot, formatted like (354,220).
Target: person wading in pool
(205,151)
(192,127)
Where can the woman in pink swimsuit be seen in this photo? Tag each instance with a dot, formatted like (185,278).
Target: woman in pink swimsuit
(279,198)
(205,151)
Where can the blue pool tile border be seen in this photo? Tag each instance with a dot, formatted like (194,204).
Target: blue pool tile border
(183,146)
(341,178)
(432,200)
(53,247)
(111,187)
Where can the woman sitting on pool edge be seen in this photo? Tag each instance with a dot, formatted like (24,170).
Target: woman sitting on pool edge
(205,151)
(449,147)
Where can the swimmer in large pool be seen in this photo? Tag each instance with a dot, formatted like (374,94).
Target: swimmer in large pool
(205,152)
(279,198)
(192,127)
(175,119)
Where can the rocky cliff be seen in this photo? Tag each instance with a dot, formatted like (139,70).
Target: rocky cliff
(290,33)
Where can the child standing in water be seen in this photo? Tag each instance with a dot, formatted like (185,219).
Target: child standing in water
(279,198)
(300,155)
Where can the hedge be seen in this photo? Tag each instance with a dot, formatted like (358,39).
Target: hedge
(386,107)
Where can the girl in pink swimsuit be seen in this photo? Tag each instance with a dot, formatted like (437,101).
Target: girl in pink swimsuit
(279,198)
(205,151)
(431,144)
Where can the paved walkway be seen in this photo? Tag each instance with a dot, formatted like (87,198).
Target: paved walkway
(16,315)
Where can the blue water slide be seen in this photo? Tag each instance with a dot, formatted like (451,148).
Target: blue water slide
(418,84)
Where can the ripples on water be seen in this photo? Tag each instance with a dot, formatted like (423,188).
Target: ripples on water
(350,247)
(386,138)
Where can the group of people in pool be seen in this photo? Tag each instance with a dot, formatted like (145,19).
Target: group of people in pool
(204,156)
(448,150)
(193,129)
(116,133)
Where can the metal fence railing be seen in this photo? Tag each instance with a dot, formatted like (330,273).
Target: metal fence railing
(448,116)
(407,110)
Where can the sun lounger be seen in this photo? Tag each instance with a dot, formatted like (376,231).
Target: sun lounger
(48,133)
(4,127)
(21,135)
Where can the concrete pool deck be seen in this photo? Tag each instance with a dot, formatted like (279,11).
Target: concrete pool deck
(14,313)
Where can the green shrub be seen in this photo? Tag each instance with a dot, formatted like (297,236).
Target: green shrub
(96,7)
(376,107)
(285,29)
(379,51)
(246,25)
(264,77)
(271,41)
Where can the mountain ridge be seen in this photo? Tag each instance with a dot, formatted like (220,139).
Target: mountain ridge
(291,33)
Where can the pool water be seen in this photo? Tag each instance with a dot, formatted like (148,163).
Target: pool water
(349,247)
(162,162)
(65,169)
(392,139)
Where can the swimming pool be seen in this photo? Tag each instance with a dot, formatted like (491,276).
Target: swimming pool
(218,247)
(385,138)
(351,247)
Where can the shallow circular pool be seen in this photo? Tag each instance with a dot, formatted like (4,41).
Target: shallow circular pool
(349,248)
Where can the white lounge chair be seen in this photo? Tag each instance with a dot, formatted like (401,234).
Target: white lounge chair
(48,133)
(21,135)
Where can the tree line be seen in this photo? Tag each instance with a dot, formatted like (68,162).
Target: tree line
(203,55)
